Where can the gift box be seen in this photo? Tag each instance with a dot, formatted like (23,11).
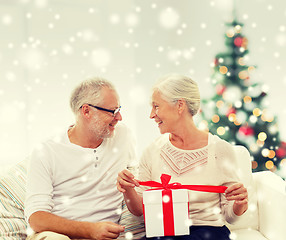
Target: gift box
(166,206)
(166,212)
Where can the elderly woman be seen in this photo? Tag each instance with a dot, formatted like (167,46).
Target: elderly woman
(190,156)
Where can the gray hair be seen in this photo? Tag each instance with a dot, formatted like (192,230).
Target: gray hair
(174,87)
(88,91)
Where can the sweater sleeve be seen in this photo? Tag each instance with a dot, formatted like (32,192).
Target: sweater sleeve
(228,167)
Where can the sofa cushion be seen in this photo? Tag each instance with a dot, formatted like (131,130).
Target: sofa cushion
(12,196)
(246,234)
(134,226)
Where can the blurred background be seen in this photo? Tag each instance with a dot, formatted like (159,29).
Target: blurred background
(48,46)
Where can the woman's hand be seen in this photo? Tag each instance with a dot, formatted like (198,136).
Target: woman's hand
(238,193)
(126,184)
(125,181)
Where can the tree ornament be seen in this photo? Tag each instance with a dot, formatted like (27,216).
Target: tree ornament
(220,89)
(216,62)
(244,42)
(281,151)
(263,94)
(238,41)
(230,111)
(246,130)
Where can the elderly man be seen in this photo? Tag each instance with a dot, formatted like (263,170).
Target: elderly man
(71,186)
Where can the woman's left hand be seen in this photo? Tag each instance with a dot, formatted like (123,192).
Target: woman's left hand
(238,193)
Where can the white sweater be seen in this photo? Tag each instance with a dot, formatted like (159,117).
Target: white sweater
(213,164)
(78,183)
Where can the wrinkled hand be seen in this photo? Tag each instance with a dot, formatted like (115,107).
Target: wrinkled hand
(125,181)
(106,230)
(238,193)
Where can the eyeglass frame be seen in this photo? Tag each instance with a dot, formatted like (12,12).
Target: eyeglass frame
(114,112)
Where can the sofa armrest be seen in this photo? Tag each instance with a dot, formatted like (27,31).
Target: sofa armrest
(271,193)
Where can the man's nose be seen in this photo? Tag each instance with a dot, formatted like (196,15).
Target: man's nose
(118,116)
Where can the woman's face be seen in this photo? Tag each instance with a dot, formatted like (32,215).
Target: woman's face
(164,113)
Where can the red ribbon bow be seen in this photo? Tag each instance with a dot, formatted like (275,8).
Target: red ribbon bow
(165,179)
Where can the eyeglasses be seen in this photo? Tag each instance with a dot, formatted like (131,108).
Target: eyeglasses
(114,112)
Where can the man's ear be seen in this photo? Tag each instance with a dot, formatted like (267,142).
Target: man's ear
(85,111)
(181,103)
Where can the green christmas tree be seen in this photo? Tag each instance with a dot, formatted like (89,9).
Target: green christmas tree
(237,112)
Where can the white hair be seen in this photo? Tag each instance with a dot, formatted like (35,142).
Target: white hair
(174,87)
(88,91)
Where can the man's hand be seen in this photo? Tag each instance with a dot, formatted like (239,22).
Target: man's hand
(105,230)
(125,181)
(238,193)
(44,221)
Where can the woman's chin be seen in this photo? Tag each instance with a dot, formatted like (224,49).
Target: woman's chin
(162,131)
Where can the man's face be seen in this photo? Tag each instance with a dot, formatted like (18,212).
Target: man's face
(103,123)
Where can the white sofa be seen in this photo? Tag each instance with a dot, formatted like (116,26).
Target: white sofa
(265,218)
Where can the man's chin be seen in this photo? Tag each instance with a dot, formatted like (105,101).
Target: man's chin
(109,134)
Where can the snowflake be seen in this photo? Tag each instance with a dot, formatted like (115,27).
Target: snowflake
(28,15)
(189,222)
(10,76)
(7,19)
(131,20)
(57,16)
(41,3)
(203,25)
(154,5)
(169,18)
(119,211)
(67,49)
(100,57)
(114,19)
(138,96)
(252,207)
(281,39)
(29,231)
(83,178)
(166,199)
(233,236)
(160,215)
(129,235)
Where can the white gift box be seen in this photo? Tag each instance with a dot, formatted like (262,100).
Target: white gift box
(166,212)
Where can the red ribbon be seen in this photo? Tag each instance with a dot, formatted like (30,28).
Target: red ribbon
(168,214)
(165,179)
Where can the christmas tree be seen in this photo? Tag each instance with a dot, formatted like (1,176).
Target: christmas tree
(237,111)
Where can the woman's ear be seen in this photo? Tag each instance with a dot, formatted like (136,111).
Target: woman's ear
(181,103)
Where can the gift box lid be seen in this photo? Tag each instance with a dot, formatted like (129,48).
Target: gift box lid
(155,196)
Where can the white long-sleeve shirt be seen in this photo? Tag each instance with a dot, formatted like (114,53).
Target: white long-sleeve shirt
(79,183)
(214,164)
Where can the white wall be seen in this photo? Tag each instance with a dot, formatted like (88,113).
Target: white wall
(47,47)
